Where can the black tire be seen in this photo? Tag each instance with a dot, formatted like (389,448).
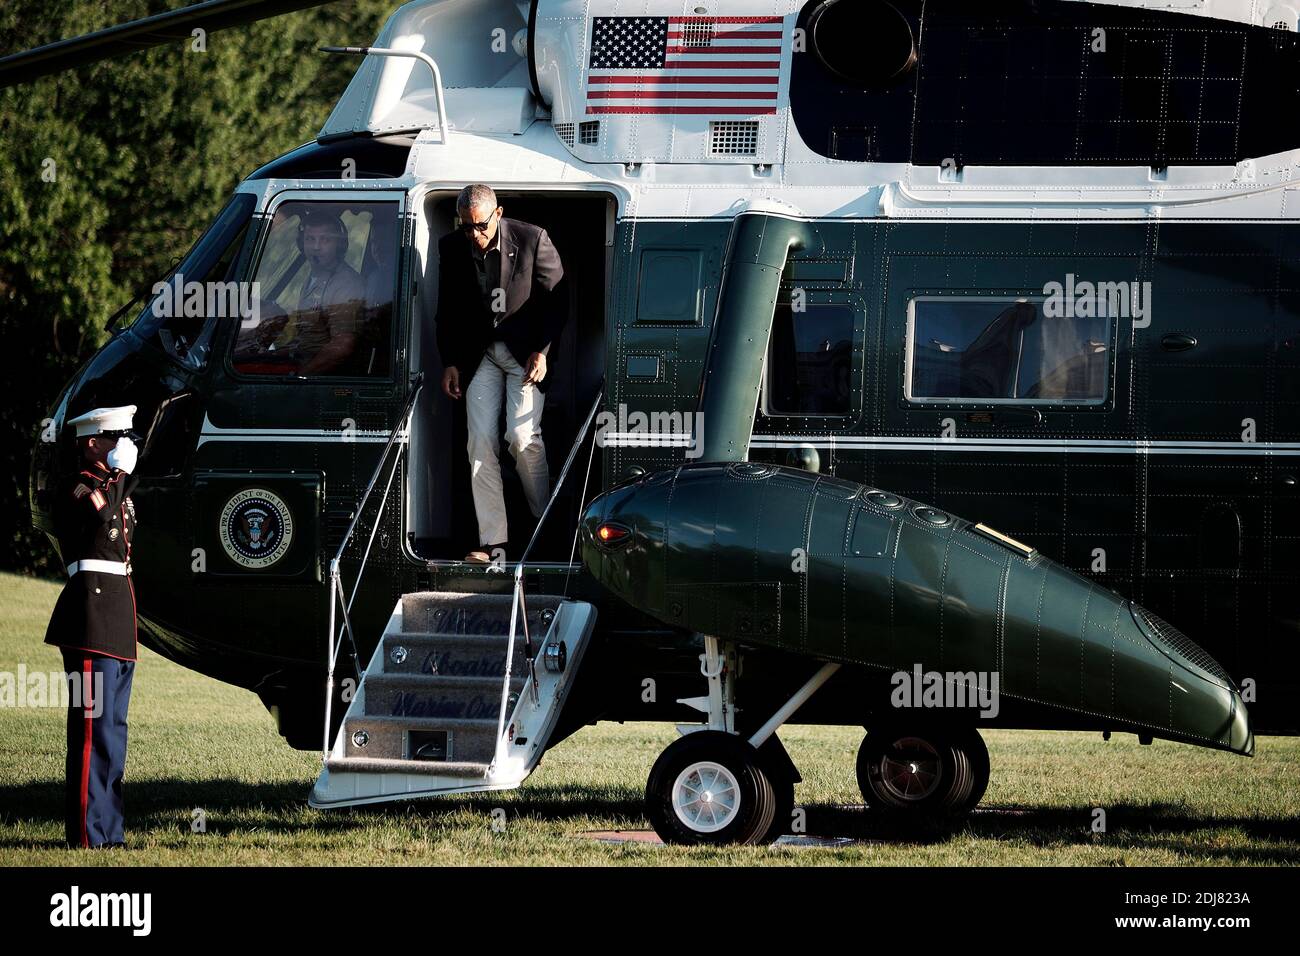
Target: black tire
(782,774)
(970,741)
(744,807)
(782,803)
(915,772)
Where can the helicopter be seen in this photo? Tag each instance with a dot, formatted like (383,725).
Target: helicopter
(929,367)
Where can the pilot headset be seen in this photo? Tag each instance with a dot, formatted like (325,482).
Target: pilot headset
(340,230)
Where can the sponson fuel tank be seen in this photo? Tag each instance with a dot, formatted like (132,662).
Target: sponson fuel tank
(778,557)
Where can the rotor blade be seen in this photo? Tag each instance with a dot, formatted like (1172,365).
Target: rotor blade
(136,35)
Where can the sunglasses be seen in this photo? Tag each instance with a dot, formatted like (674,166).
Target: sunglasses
(471,226)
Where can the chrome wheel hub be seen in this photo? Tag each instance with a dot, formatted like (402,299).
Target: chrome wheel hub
(706,796)
(911,770)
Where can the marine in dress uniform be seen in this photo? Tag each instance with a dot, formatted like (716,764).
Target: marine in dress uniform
(94,622)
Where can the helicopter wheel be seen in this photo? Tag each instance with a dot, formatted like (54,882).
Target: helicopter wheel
(972,743)
(916,772)
(709,788)
(783,797)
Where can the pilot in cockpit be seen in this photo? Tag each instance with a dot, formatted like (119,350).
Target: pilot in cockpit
(322,332)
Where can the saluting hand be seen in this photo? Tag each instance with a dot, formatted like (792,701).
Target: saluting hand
(123,455)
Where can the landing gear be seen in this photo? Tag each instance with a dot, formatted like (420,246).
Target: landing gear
(782,775)
(922,772)
(971,741)
(709,787)
(716,786)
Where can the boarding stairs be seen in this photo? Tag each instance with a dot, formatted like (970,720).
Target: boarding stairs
(426,718)
(464,689)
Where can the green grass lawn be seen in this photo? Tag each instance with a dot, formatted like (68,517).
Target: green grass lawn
(199,744)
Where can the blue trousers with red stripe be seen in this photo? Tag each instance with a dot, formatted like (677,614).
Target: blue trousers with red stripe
(97,701)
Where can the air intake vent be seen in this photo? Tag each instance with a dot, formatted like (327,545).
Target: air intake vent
(1281,17)
(697,31)
(733,137)
(1180,644)
(589,132)
(565,132)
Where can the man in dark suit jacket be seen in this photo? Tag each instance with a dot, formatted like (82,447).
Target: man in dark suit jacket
(498,314)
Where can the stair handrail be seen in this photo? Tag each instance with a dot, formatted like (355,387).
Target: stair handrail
(518,599)
(564,472)
(332,647)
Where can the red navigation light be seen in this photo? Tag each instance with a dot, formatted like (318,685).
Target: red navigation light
(612,533)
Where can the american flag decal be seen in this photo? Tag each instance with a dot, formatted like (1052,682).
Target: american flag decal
(699,65)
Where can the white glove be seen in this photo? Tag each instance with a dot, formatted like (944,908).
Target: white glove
(123,455)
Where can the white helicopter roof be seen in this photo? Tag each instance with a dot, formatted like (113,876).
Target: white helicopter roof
(481,48)
(679,162)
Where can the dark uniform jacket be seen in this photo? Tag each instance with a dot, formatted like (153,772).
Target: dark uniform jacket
(534,315)
(94,518)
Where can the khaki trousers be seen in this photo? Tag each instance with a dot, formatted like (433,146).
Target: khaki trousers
(499,377)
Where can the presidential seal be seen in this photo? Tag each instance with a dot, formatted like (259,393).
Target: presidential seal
(256,528)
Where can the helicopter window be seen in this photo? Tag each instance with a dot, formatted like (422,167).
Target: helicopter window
(810,360)
(1005,350)
(181,316)
(669,286)
(326,283)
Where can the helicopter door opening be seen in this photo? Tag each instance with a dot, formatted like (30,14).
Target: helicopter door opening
(441,522)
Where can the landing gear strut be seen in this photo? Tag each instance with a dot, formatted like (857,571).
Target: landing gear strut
(716,786)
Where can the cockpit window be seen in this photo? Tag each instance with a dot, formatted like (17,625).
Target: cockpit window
(326,284)
(183,310)
(1002,350)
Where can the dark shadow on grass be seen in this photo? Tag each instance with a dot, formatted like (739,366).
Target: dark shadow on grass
(156,805)
(153,805)
(1129,828)
(624,806)
(1139,826)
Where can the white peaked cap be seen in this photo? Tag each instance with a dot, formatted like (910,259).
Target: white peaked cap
(104,420)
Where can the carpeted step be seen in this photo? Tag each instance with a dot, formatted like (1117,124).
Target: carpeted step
(429,740)
(441,612)
(414,695)
(370,765)
(467,655)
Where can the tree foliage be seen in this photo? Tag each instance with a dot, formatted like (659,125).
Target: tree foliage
(109,172)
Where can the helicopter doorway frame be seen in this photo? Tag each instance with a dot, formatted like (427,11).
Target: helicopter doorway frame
(582,347)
